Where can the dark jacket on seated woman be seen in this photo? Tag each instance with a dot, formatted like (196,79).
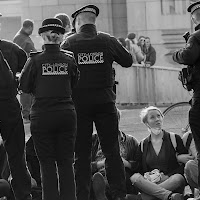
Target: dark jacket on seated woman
(165,161)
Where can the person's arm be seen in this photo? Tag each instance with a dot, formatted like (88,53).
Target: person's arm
(137,163)
(26,79)
(75,74)
(189,54)
(29,47)
(131,146)
(21,55)
(180,149)
(152,58)
(120,54)
(139,55)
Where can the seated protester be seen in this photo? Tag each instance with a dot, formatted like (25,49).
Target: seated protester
(34,169)
(160,175)
(190,161)
(5,188)
(33,166)
(128,146)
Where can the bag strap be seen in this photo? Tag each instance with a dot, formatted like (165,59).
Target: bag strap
(142,145)
(173,139)
(188,141)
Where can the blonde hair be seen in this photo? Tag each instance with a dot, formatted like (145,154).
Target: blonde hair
(52,37)
(144,112)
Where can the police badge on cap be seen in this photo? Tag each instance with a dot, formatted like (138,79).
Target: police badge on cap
(53,24)
(89,8)
(193,6)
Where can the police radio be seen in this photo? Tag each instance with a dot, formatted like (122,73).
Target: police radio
(185,75)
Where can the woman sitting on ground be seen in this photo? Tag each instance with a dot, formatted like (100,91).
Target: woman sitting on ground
(160,175)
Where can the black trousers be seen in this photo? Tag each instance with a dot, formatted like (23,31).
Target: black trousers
(106,121)
(12,132)
(54,139)
(194,121)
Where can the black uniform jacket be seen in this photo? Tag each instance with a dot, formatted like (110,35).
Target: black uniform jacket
(94,59)
(50,76)
(190,55)
(15,55)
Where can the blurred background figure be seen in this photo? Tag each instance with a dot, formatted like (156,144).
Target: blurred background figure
(141,42)
(22,38)
(135,51)
(150,53)
(66,23)
(122,41)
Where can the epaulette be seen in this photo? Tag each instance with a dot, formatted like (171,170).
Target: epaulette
(103,33)
(68,53)
(35,53)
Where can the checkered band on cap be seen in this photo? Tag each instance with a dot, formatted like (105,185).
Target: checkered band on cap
(56,25)
(89,10)
(195,7)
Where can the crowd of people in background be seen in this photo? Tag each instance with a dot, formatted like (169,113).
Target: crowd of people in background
(66,89)
(141,49)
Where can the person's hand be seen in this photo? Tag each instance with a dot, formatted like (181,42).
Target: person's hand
(163,177)
(142,63)
(184,158)
(126,163)
(101,163)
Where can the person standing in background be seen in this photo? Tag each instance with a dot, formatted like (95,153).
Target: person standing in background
(22,38)
(150,53)
(190,56)
(50,76)
(66,23)
(94,100)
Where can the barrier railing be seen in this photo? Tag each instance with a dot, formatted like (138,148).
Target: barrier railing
(153,85)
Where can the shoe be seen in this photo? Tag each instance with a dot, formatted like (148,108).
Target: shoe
(99,186)
(175,196)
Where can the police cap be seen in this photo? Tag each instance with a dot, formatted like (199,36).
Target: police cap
(88,8)
(193,7)
(53,24)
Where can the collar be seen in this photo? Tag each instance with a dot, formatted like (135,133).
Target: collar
(164,136)
(52,47)
(89,29)
(197,27)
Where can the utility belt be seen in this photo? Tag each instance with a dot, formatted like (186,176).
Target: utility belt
(187,78)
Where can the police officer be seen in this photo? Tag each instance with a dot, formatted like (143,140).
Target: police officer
(95,100)
(190,55)
(11,124)
(50,76)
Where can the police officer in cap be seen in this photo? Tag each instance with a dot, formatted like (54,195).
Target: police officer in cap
(94,100)
(50,76)
(190,55)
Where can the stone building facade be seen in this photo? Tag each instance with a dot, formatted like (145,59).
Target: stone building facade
(164,21)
